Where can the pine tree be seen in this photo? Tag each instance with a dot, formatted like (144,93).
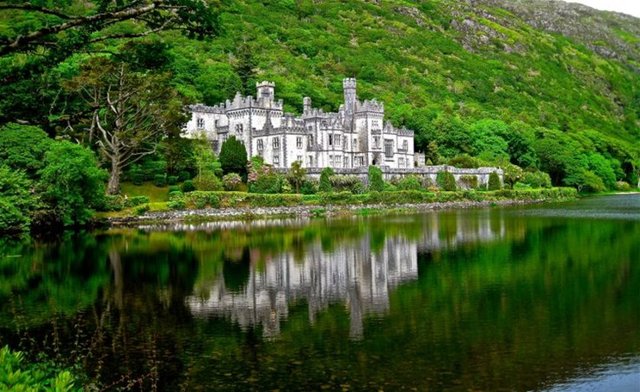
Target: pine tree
(233,157)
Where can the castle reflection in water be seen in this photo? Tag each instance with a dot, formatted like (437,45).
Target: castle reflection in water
(351,274)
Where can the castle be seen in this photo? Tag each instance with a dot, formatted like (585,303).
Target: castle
(356,136)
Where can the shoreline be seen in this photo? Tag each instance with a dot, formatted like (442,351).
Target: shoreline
(304,211)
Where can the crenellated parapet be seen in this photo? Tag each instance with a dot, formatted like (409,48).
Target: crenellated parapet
(200,108)
(370,106)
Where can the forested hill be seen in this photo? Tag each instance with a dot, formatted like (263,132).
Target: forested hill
(563,75)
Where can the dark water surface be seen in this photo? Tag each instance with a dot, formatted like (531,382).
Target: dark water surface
(515,299)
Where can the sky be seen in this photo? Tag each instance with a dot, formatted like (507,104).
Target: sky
(631,7)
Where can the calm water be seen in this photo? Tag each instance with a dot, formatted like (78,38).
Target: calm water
(541,298)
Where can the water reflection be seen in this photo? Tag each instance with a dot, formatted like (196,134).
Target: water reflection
(350,274)
(496,299)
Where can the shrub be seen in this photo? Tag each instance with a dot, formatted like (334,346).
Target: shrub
(184,176)
(325,180)
(18,375)
(537,179)
(113,203)
(174,195)
(174,188)
(231,182)
(340,183)
(172,180)
(160,180)
(135,201)
(263,179)
(177,204)
(309,187)
(207,181)
(623,186)
(446,181)
(376,182)
(410,183)
(136,175)
(188,186)
(197,199)
(142,209)
(494,182)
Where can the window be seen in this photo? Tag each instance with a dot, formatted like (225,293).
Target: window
(310,160)
(358,161)
(338,161)
(355,144)
(376,141)
(388,148)
(346,162)
(224,137)
(409,163)
(310,140)
(276,142)
(310,128)
(200,122)
(405,145)
(239,129)
(276,159)
(375,124)
(299,158)
(400,162)
(331,140)
(299,141)
(338,138)
(345,141)
(260,145)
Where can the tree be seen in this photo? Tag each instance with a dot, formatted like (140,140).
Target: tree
(93,21)
(131,112)
(446,181)
(376,182)
(71,182)
(297,175)
(233,157)
(325,180)
(494,182)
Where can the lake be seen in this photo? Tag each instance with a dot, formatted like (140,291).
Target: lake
(534,298)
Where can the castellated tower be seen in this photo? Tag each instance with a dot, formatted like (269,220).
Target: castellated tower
(266,91)
(306,105)
(349,87)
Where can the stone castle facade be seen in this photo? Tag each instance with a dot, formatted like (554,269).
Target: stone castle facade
(356,136)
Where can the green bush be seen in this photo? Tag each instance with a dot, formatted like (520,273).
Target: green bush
(160,180)
(446,181)
(16,200)
(410,183)
(536,179)
(340,183)
(376,182)
(135,201)
(623,186)
(187,186)
(184,176)
(494,182)
(136,175)
(177,204)
(142,209)
(207,181)
(174,195)
(325,180)
(309,187)
(113,203)
(264,179)
(172,180)
(233,157)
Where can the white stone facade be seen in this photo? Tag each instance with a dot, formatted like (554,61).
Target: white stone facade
(356,136)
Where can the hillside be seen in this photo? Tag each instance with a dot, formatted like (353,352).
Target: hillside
(547,70)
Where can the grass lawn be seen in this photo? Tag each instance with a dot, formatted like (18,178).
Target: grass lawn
(155,193)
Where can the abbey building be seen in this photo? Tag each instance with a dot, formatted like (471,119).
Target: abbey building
(356,136)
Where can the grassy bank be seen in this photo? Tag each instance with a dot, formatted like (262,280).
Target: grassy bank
(197,200)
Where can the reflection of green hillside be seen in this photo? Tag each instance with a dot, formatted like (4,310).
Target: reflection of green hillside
(503,312)
(504,315)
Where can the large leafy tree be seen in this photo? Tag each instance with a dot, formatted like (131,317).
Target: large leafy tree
(131,112)
(57,22)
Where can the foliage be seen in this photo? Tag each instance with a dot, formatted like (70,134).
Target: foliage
(232,182)
(446,181)
(16,374)
(469,182)
(309,186)
(536,179)
(494,182)
(16,200)
(188,186)
(233,157)
(71,182)
(325,180)
(376,182)
(410,183)
(350,183)
(297,175)
(207,181)
(263,178)
(23,147)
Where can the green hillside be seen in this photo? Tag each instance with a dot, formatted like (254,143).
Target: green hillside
(443,68)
